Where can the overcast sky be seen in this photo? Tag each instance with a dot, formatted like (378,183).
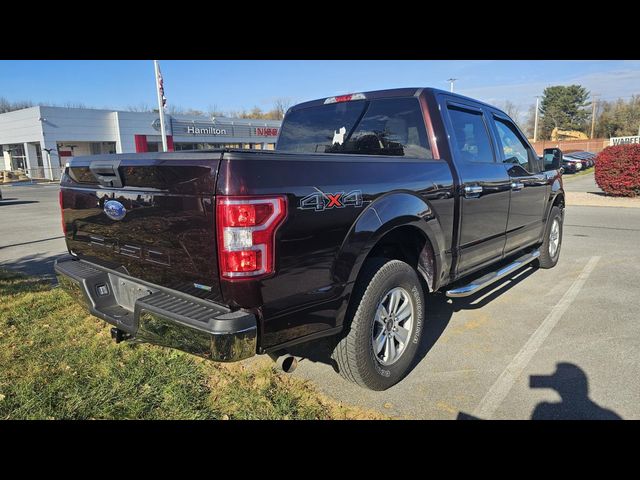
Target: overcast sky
(233,85)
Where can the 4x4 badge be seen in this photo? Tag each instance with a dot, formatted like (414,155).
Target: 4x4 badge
(321,201)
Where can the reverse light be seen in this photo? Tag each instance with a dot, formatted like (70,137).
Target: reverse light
(246,234)
(345,98)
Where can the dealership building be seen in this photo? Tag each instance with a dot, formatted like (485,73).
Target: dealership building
(40,140)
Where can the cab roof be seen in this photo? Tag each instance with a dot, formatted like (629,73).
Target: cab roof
(389,93)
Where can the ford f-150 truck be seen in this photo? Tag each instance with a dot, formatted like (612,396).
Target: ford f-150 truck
(370,203)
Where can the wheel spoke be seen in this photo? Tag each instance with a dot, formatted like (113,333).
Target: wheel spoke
(392,348)
(404,312)
(387,348)
(380,341)
(392,302)
(402,334)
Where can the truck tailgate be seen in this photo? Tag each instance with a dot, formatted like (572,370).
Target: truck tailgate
(150,215)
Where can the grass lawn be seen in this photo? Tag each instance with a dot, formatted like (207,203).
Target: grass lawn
(56,362)
(569,176)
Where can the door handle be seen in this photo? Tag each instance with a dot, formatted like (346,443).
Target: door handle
(472,191)
(517,186)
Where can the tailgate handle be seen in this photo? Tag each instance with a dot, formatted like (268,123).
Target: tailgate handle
(107,173)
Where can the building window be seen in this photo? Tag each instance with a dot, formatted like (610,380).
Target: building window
(39,155)
(98,148)
(18,157)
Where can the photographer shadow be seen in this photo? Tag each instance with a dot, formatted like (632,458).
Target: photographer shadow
(572,384)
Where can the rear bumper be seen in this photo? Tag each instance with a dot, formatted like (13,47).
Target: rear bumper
(153,314)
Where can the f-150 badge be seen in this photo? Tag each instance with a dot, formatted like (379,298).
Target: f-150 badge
(321,201)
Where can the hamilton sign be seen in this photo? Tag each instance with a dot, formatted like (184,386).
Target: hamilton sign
(193,130)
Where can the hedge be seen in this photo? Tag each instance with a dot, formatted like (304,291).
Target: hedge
(617,170)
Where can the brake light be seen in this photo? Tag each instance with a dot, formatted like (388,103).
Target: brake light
(64,225)
(345,98)
(246,234)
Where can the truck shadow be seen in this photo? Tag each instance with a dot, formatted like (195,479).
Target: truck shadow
(572,384)
(40,265)
(440,310)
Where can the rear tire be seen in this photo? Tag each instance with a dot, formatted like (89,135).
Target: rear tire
(550,249)
(387,297)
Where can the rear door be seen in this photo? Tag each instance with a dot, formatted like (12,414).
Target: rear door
(485,185)
(529,188)
(150,215)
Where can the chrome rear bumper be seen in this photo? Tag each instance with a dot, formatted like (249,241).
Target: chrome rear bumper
(153,314)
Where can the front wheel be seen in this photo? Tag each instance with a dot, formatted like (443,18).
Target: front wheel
(385,325)
(550,249)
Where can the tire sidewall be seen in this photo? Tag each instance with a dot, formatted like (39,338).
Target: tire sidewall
(403,276)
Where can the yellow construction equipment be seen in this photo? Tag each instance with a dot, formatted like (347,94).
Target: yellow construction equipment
(557,134)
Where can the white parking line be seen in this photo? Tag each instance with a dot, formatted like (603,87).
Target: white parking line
(503,385)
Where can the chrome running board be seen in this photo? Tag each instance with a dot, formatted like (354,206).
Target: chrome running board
(492,277)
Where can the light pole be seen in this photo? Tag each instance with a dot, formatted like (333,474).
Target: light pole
(48,150)
(535,123)
(593,115)
(451,82)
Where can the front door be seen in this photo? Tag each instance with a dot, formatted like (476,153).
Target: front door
(529,189)
(484,184)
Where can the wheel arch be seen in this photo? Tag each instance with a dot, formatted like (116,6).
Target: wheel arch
(399,225)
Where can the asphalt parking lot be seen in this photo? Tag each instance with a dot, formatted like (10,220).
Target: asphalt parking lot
(559,343)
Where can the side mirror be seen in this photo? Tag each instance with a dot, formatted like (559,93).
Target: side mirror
(552,158)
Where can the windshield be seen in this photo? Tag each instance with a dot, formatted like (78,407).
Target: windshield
(377,127)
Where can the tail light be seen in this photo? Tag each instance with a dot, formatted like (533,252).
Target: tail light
(64,225)
(246,234)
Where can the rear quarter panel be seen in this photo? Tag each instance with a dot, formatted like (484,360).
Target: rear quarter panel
(318,252)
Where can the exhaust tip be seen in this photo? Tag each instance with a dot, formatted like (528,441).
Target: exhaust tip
(289,364)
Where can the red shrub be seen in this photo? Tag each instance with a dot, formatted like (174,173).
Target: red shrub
(618,170)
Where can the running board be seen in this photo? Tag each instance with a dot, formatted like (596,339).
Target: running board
(492,277)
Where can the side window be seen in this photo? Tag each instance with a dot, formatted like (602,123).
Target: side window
(470,136)
(514,149)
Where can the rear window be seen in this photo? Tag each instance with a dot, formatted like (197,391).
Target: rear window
(377,127)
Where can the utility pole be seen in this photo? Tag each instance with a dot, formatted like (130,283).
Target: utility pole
(593,115)
(535,123)
(451,82)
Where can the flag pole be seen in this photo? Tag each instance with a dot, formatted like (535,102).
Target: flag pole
(160,106)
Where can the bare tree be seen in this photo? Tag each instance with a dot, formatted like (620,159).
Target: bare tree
(141,107)
(214,111)
(7,106)
(512,110)
(74,105)
(280,107)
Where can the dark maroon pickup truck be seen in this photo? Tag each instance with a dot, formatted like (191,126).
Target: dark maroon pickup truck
(370,202)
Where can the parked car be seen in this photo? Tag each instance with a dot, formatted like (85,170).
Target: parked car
(571,165)
(586,158)
(370,202)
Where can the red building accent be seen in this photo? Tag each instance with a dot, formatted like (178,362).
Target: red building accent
(141,143)
(170,143)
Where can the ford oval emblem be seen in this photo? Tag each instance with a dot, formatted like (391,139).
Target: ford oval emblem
(114,210)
